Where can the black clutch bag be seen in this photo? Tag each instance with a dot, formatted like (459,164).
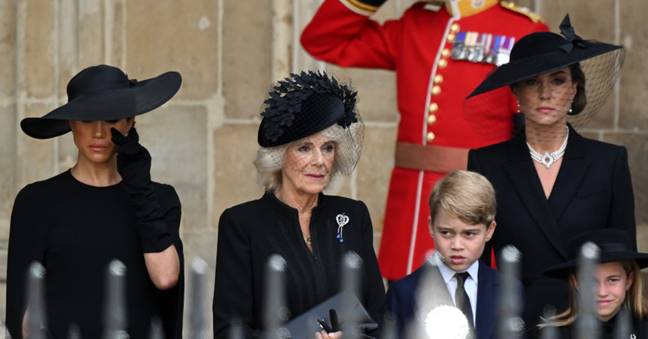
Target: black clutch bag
(325,317)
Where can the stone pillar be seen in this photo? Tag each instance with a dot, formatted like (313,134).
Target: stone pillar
(7,130)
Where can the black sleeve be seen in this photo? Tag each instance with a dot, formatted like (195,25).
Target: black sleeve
(171,309)
(393,306)
(27,236)
(474,164)
(622,214)
(374,297)
(233,286)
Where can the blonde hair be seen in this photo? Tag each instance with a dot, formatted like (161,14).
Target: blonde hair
(348,141)
(466,195)
(634,300)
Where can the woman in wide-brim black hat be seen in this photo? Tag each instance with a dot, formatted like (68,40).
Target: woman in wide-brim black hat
(310,134)
(618,285)
(105,207)
(551,182)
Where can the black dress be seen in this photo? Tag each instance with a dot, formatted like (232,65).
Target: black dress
(638,329)
(250,233)
(75,230)
(592,191)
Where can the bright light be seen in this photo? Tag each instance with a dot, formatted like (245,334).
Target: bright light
(446,322)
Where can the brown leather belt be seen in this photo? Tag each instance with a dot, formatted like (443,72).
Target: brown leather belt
(433,158)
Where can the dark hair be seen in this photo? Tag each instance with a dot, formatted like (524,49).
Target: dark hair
(580,99)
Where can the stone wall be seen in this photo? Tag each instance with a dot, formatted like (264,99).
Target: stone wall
(203,142)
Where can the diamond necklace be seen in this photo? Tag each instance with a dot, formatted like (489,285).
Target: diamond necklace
(547,159)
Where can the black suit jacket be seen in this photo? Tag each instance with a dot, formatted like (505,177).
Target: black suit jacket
(251,232)
(403,294)
(593,190)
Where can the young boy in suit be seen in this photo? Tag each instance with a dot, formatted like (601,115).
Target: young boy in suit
(462,220)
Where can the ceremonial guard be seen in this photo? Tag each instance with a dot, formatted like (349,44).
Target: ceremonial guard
(440,51)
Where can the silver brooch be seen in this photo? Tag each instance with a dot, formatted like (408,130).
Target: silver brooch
(341,219)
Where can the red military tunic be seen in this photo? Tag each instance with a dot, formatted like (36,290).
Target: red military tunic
(433,130)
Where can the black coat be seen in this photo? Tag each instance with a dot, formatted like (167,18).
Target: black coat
(638,330)
(250,233)
(593,190)
(402,300)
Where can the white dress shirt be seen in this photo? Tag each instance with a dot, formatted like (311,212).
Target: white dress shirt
(470,285)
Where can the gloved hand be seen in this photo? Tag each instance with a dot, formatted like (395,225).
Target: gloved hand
(371,5)
(134,166)
(133,160)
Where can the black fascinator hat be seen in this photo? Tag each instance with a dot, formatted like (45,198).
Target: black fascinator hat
(304,104)
(614,245)
(103,92)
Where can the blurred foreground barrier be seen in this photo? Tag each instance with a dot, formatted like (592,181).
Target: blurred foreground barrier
(587,324)
(510,324)
(436,317)
(197,317)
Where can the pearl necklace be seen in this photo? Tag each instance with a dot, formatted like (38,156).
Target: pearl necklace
(547,159)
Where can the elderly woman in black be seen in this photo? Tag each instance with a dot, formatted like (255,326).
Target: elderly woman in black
(551,182)
(310,134)
(105,207)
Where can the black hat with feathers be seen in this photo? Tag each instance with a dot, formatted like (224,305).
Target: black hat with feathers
(304,104)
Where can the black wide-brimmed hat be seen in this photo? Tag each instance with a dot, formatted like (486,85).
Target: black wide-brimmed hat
(614,245)
(304,104)
(543,52)
(103,92)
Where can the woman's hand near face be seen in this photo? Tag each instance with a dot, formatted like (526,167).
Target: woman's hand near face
(134,166)
(133,159)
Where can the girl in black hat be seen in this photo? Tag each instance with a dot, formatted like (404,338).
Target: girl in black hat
(105,207)
(551,182)
(618,281)
(310,134)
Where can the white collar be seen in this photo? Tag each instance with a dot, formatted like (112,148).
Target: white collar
(447,273)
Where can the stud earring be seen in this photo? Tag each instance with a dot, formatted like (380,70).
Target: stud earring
(518,107)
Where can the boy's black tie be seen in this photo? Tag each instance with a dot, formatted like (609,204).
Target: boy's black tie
(461,297)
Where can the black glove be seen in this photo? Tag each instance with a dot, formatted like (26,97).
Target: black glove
(134,166)
(371,5)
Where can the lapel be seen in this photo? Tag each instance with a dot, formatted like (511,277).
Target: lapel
(571,174)
(486,301)
(526,183)
(430,292)
(432,289)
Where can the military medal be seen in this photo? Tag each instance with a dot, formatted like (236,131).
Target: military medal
(504,52)
(482,47)
(491,55)
(458,48)
(478,51)
(471,44)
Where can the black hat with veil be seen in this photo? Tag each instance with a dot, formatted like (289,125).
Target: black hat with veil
(544,52)
(305,104)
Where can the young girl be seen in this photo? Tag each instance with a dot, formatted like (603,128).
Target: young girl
(618,285)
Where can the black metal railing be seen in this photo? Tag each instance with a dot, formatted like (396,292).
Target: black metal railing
(427,324)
